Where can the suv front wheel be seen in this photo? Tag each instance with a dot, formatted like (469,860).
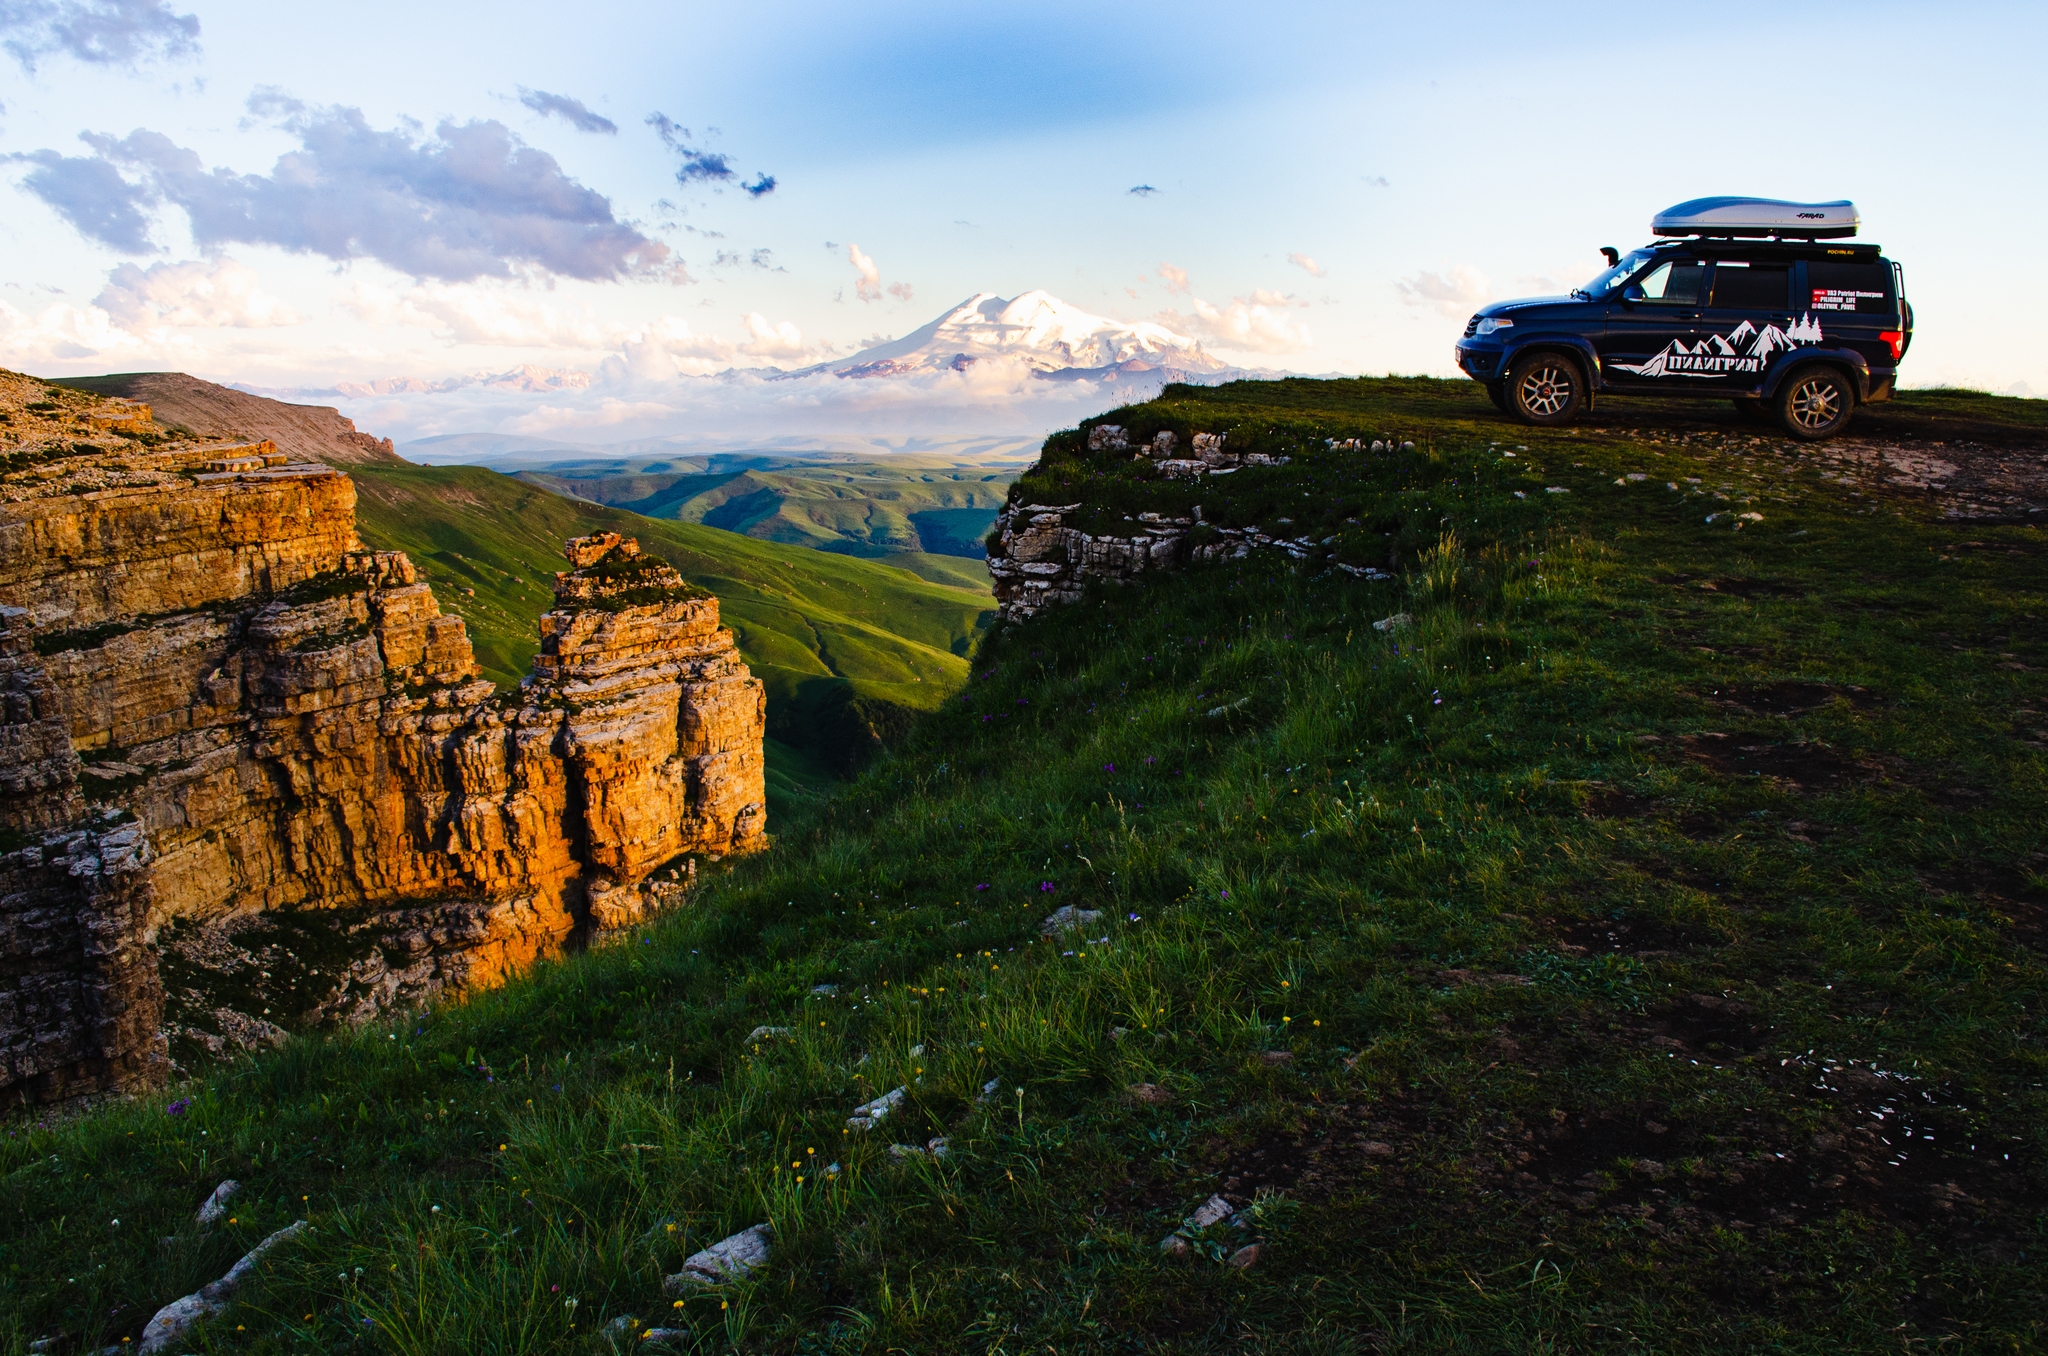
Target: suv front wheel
(1545,389)
(1814,403)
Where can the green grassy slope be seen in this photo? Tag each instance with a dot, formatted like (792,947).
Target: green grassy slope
(840,643)
(1558,972)
(860,508)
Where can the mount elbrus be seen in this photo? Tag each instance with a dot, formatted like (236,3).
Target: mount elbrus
(220,708)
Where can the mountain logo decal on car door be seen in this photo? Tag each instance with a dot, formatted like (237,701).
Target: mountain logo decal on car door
(1743,349)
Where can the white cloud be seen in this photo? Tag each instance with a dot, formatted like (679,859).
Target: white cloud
(869,286)
(62,333)
(1455,292)
(471,314)
(198,294)
(1255,324)
(1307,265)
(783,343)
(1176,278)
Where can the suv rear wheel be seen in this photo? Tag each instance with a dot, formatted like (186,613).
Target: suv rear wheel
(1545,389)
(1814,403)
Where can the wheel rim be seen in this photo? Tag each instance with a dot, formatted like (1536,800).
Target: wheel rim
(1816,404)
(1545,390)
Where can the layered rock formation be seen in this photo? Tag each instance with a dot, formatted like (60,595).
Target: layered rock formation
(308,432)
(1041,559)
(226,725)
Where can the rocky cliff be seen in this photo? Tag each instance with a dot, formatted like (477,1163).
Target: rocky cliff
(308,432)
(1042,556)
(253,780)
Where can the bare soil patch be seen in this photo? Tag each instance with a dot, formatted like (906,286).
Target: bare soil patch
(1806,767)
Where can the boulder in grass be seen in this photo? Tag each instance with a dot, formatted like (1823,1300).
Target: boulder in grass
(763,1033)
(1066,918)
(1212,1211)
(729,1259)
(868,1114)
(172,1322)
(215,1207)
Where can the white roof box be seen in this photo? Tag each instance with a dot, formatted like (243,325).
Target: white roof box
(1758,217)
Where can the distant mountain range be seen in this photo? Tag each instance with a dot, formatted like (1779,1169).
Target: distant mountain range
(1040,331)
(1050,338)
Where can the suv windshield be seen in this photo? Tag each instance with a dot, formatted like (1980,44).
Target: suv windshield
(1611,278)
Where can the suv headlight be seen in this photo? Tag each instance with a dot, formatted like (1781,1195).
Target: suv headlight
(1492,323)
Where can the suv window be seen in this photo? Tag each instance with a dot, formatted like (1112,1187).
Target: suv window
(1676,283)
(1752,287)
(1850,287)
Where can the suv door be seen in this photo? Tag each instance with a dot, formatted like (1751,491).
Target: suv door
(1749,321)
(1857,304)
(1653,325)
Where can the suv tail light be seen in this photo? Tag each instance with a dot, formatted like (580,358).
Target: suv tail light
(1897,340)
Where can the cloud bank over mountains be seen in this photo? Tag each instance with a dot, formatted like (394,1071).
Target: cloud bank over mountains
(988,365)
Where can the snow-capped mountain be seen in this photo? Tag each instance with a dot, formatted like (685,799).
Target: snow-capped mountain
(1037,329)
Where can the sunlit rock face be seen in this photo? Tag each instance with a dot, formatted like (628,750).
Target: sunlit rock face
(253,780)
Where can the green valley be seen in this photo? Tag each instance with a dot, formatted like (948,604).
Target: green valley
(847,648)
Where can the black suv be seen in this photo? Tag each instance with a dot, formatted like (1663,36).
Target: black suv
(1758,302)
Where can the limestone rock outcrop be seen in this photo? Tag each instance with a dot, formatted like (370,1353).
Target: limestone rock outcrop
(1041,559)
(223,720)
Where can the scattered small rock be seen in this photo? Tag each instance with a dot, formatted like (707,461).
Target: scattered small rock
(1246,1256)
(1375,1149)
(762,1033)
(937,1147)
(729,1259)
(988,1091)
(1399,621)
(1066,918)
(867,1114)
(1277,1056)
(825,990)
(1149,1094)
(1212,1211)
(215,1207)
(1173,1245)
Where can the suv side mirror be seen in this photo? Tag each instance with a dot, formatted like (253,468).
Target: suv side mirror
(1633,292)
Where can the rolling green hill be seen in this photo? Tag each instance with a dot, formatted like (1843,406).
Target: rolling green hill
(1625,931)
(847,648)
(908,503)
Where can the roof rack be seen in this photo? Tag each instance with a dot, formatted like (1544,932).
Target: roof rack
(1758,218)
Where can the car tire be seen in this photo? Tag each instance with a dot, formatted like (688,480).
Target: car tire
(1545,389)
(1814,403)
(1497,392)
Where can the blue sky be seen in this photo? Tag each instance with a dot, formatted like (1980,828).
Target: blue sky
(297,195)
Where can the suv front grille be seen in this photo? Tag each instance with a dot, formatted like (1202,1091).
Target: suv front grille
(1471,326)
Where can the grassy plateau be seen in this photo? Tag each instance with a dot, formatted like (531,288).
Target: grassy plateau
(1642,946)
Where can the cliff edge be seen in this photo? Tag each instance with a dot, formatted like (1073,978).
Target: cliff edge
(252,779)
(308,432)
